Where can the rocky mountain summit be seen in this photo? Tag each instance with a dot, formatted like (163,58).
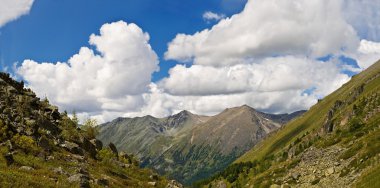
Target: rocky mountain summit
(188,147)
(41,147)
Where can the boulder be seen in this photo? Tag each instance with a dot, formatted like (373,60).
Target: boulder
(44,143)
(89,147)
(329,171)
(295,175)
(73,148)
(26,168)
(9,159)
(153,183)
(97,143)
(103,182)
(174,184)
(113,149)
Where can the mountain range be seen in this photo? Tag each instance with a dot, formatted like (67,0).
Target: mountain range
(190,147)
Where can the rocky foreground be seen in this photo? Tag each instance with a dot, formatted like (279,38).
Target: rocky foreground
(41,147)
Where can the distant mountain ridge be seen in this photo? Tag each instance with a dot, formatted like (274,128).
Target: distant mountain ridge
(187,146)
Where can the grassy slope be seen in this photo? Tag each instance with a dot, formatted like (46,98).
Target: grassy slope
(44,176)
(313,119)
(356,128)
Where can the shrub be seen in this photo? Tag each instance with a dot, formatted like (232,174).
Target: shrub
(351,152)
(25,143)
(355,124)
(4,132)
(91,131)
(106,154)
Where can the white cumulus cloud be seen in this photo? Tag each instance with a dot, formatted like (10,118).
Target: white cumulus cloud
(277,74)
(313,28)
(111,79)
(12,9)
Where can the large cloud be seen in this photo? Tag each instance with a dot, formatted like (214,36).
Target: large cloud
(264,28)
(270,75)
(111,80)
(12,9)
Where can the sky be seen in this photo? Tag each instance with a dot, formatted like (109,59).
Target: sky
(108,59)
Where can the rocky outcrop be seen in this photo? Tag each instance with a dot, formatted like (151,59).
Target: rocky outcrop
(35,136)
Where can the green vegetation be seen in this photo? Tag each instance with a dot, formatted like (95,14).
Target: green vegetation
(90,128)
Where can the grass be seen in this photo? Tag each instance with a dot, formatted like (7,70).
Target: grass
(43,175)
(370,179)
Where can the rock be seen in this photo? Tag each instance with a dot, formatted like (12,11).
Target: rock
(77,158)
(174,184)
(153,183)
(9,159)
(329,171)
(89,147)
(97,143)
(26,168)
(102,182)
(43,142)
(85,182)
(153,177)
(73,148)
(59,170)
(336,163)
(295,175)
(113,149)
(82,177)
(74,178)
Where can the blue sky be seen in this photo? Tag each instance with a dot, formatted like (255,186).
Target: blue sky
(94,57)
(55,30)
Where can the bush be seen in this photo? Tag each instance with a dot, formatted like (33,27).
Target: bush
(91,131)
(4,132)
(25,143)
(355,124)
(69,131)
(106,154)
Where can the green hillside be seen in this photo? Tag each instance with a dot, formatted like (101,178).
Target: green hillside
(335,144)
(41,147)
